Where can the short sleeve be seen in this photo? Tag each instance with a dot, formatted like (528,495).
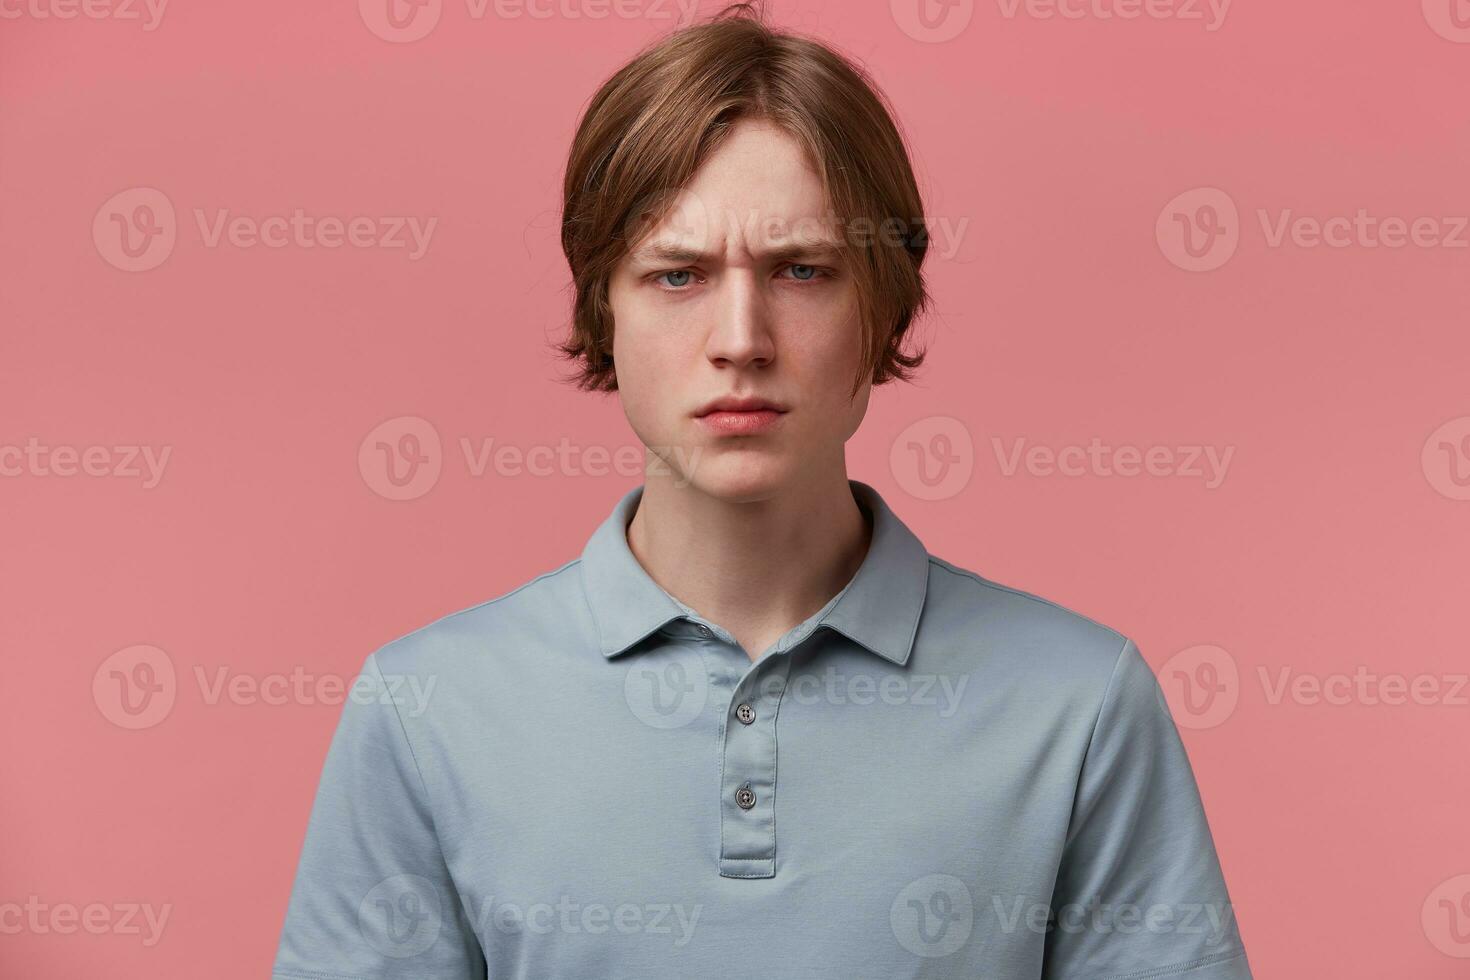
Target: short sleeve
(373,898)
(1140,893)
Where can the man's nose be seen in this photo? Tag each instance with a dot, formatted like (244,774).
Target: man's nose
(741,332)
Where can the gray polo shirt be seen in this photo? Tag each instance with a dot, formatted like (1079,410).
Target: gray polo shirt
(933,776)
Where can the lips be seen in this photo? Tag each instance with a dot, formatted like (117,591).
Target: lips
(740,405)
(740,416)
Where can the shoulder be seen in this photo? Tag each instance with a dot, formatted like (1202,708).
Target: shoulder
(527,616)
(1018,632)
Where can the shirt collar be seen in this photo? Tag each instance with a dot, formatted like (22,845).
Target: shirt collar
(878,610)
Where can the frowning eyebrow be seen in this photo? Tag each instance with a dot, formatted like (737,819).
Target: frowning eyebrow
(796,251)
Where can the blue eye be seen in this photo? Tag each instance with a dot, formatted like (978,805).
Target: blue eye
(678,272)
(811,271)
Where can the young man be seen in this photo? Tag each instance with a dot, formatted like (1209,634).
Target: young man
(970,782)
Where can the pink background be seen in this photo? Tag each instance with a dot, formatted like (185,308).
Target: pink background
(1335,546)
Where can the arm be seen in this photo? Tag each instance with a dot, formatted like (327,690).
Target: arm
(373,898)
(1139,893)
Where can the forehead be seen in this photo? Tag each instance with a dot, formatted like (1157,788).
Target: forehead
(756,193)
(761,167)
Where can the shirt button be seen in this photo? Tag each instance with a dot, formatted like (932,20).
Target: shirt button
(705,630)
(745,713)
(744,798)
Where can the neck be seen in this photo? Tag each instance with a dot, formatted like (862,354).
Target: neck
(756,568)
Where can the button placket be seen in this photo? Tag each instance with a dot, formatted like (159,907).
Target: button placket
(748,772)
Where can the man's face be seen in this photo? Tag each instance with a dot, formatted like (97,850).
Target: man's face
(738,296)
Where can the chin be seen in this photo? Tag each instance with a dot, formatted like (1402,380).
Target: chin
(739,477)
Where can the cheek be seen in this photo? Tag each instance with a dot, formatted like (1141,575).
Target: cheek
(634,386)
(829,353)
(645,357)
(647,364)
